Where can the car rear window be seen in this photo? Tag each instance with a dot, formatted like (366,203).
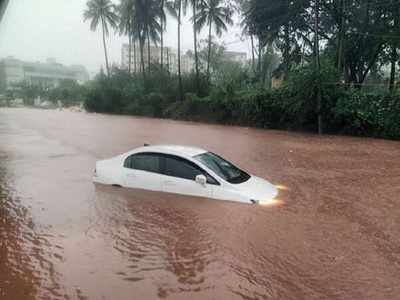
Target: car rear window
(145,162)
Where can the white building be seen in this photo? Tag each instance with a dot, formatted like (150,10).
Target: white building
(169,55)
(239,57)
(187,63)
(170,59)
(48,74)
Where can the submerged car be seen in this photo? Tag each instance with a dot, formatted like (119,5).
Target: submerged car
(183,170)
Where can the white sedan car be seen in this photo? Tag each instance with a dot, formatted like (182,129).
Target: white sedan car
(183,170)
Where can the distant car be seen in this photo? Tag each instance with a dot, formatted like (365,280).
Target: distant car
(183,170)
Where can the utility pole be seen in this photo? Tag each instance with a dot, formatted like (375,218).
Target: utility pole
(3,6)
(341,38)
(393,55)
(168,60)
(318,67)
(179,50)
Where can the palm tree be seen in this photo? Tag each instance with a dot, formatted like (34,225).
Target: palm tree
(152,24)
(165,5)
(126,13)
(146,26)
(101,11)
(195,5)
(248,30)
(178,8)
(138,26)
(213,12)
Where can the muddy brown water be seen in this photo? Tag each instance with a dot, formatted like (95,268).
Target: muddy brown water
(334,232)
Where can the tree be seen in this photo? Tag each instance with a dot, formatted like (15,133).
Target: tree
(101,11)
(139,25)
(146,27)
(152,24)
(178,8)
(126,13)
(394,29)
(195,6)
(213,12)
(248,30)
(286,23)
(361,35)
(165,6)
(317,63)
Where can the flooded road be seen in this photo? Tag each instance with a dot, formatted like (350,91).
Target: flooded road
(333,234)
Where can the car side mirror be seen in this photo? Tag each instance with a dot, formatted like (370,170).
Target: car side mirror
(201,179)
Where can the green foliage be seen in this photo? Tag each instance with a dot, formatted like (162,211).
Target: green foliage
(299,95)
(233,100)
(228,78)
(68,92)
(101,12)
(368,114)
(360,36)
(27,92)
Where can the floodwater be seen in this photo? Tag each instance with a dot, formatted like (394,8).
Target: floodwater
(333,233)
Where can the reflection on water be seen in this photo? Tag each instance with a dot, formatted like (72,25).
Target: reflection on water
(157,235)
(332,233)
(26,269)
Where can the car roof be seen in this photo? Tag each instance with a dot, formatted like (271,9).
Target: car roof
(173,149)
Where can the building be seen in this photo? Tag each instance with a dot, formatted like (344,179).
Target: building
(170,58)
(239,57)
(48,74)
(187,63)
(155,56)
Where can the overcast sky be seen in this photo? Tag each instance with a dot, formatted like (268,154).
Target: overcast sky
(34,30)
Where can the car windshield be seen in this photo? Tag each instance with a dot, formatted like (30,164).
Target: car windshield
(222,168)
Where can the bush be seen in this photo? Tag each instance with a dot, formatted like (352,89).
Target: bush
(68,92)
(292,106)
(371,114)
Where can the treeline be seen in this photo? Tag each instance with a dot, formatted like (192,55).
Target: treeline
(68,92)
(243,102)
(360,37)
(328,66)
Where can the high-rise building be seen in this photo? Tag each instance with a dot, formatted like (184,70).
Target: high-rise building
(239,57)
(48,74)
(136,63)
(170,58)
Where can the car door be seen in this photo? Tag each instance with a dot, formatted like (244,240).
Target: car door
(142,171)
(179,178)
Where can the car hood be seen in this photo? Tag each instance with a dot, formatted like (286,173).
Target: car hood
(258,189)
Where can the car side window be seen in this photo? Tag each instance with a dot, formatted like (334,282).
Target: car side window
(148,162)
(128,162)
(178,167)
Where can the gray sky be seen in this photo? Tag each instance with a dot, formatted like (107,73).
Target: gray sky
(34,30)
